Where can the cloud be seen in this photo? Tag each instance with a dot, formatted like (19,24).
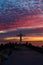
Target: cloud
(12,10)
(3,31)
(24,30)
(20,13)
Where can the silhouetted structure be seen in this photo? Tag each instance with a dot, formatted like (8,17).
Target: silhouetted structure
(8,48)
(20,37)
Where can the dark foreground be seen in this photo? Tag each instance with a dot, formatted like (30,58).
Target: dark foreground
(24,57)
(21,54)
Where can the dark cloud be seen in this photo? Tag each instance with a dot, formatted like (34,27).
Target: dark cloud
(12,10)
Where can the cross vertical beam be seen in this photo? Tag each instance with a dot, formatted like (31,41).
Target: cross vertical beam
(20,38)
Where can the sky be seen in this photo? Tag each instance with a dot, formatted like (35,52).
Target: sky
(24,16)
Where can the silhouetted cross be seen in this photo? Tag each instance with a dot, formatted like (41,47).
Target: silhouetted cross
(20,38)
(20,35)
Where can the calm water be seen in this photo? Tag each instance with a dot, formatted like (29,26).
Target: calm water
(24,57)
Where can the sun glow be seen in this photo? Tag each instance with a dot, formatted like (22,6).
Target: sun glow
(25,38)
(11,38)
(33,39)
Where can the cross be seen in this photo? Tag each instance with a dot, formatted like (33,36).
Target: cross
(20,37)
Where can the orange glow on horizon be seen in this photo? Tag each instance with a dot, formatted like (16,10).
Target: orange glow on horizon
(12,38)
(25,38)
(33,39)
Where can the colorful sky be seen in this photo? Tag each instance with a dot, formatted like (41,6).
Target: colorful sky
(24,16)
